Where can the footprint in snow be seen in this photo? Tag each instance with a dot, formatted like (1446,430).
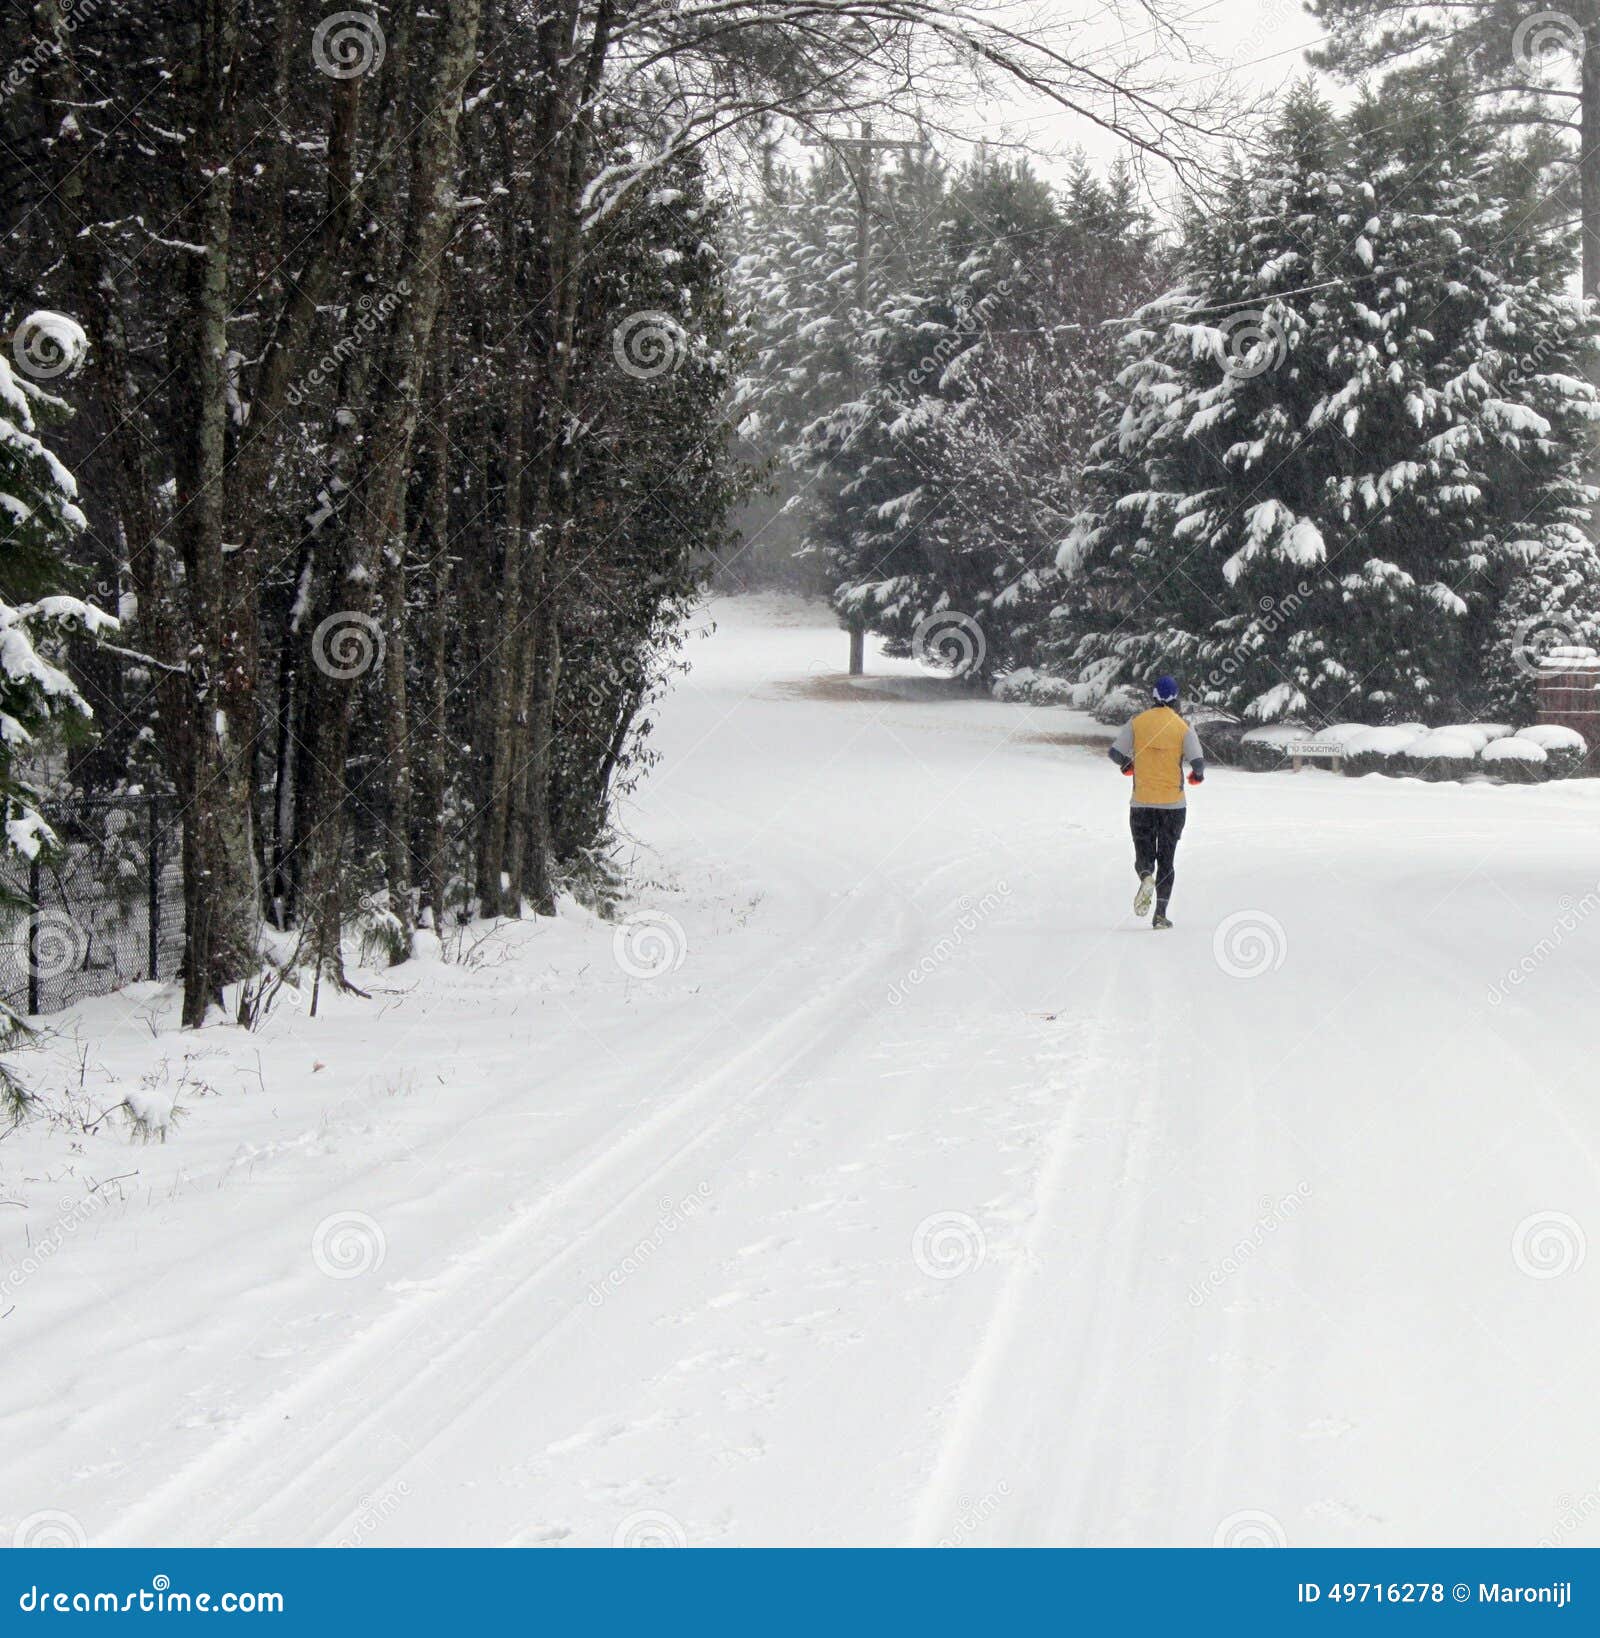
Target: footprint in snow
(760,1248)
(599,1432)
(540,1535)
(1327,1427)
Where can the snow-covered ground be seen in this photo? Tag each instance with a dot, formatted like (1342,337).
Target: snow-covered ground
(884,1182)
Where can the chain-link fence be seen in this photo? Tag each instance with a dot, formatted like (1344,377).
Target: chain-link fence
(106,907)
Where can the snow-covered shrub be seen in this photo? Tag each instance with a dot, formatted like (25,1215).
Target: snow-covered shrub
(152,1112)
(1377,750)
(1028,686)
(1495,730)
(1341,733)
(1479,733)
(1566,750)
(1120,704)
(1515,759)
(596,878)
(1440,755)
(1551,736)
(1266,749)
(1220,734)
(1016,686)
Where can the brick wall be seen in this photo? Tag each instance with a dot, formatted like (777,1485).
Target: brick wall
(1569,695)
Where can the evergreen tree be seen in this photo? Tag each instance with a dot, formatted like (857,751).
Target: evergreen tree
(1349,442)
(937,443)
(39,515)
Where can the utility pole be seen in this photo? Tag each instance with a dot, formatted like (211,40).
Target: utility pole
(860,154)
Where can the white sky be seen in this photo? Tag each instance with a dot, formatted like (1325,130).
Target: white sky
(1262,43)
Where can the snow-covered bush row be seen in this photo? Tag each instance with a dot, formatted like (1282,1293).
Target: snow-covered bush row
(1546,751)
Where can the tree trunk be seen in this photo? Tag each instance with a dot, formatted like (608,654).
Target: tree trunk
(220,887)
(1589,206)
(433,723)
(499,892)
(378,523)
(396,749)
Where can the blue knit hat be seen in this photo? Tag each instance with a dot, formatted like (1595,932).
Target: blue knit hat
(1166,690)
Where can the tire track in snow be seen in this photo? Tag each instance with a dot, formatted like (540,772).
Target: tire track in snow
(1019,1360)
(258,1470)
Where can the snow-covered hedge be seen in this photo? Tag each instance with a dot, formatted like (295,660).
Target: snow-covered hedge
(1516,759)
(1372,750)
(1264,749)
(1443,754)
(1119,704)
(1566,750)
(1028,686)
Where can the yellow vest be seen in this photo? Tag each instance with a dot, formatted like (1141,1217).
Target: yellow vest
(1158,736)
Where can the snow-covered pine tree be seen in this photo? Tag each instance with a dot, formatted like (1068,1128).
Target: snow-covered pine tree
(1351,436)
(938,490)
(38,515)
(792,284)
(898,527)
(1024,388)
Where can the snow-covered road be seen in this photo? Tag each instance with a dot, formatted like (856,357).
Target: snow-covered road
(929,1197)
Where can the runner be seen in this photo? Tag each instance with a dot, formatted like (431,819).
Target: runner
(1152,750)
